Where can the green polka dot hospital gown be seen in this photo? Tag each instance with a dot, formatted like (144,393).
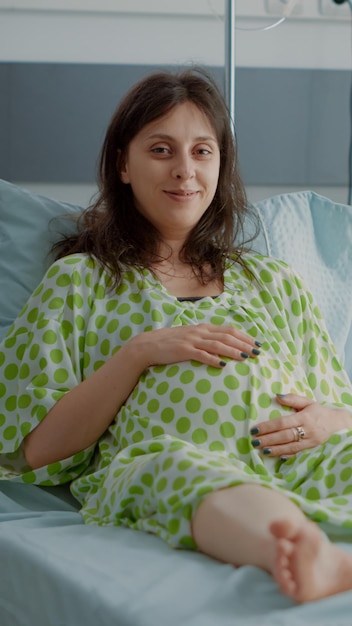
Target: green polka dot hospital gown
(184,431)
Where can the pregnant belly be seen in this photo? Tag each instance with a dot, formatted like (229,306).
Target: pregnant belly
(208,406)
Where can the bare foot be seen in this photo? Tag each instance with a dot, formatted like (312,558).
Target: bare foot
(307,566)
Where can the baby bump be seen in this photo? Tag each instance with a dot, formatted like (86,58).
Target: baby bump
(207,406)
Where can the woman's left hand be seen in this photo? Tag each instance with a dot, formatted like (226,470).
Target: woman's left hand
(310,425)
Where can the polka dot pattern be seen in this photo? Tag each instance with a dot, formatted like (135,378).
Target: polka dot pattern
(184,431)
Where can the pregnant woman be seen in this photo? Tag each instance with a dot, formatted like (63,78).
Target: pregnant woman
(183,385)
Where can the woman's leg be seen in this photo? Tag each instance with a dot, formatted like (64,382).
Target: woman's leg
(254,525)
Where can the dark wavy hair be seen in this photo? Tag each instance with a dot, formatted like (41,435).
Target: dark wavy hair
(114,232)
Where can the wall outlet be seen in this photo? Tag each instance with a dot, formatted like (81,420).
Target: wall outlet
(329,8)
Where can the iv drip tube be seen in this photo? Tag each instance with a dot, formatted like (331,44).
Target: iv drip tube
(230,58)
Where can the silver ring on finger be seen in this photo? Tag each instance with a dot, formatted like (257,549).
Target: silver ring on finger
(301,432)
(295,434)
(298,433)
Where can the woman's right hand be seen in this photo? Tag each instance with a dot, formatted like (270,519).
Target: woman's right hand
(206,343)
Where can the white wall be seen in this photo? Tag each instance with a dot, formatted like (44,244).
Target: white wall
(171,34)
(172,31)
(150,31)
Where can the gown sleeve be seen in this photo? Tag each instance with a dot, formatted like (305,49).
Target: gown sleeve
(41,359)
(311,346)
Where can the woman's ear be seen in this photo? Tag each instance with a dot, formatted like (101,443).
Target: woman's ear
(122,168)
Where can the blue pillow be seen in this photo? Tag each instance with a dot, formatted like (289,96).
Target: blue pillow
(26,235)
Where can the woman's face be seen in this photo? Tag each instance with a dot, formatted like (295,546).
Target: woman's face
(173,166)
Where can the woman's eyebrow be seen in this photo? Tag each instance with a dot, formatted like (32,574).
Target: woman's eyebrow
(167,137)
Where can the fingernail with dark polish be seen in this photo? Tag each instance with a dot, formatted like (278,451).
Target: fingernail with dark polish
(222,363)
(257,343)
(244,355)
(254,431)
(266,450)
(280,395)
(283,458)
(256,443)
(255,351)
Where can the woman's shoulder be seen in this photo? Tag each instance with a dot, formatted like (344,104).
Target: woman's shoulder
(267,269)
(256,260)
(81,261)
(262,261)
(78,264)
(73,273)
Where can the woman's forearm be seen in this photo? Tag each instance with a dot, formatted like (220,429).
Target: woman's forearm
(83,414)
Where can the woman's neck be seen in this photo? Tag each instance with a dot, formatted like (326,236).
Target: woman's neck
(180,279)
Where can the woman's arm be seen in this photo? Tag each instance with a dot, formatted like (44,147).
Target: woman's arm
(83,414)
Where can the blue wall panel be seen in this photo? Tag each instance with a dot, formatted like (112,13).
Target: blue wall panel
(292,125)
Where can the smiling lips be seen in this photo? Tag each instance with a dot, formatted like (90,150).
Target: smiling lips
(181,195)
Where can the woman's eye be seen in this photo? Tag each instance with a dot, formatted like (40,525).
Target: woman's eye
(160,150)
(203,151)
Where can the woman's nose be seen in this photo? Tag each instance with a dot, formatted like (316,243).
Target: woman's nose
(183,169)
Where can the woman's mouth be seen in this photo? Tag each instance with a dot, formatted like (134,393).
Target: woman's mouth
(181,195)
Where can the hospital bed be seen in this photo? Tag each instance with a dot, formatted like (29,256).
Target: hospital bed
(57,571)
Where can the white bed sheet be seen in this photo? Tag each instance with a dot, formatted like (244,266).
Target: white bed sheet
(56,571)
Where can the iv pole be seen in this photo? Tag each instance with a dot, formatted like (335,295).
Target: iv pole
(230,58)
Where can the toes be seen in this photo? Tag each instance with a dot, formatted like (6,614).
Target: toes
(288,587)
(284,548)
(283,572)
